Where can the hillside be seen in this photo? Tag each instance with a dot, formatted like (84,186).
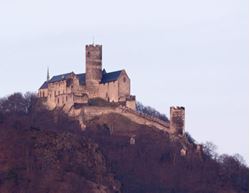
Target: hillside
(45,151)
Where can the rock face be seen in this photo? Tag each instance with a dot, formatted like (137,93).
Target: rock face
(40,161)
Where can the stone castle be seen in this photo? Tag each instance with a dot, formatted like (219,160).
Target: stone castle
(66,90)
(70,88)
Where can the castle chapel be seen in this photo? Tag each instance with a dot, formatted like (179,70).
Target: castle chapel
(65,90)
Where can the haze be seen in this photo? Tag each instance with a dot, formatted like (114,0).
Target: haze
(191,53)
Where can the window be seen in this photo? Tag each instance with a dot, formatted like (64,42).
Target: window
(124,79)
(58,101)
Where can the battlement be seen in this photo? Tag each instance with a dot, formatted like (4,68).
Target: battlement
(177,108)
(93,46)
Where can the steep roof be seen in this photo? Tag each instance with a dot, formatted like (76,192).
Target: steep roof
(60,77)
(106,77)
(111,76)
(56,78)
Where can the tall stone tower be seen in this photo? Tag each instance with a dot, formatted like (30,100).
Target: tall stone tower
(177,119)
(93,68)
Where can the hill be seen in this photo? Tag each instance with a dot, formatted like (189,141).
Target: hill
(46,151)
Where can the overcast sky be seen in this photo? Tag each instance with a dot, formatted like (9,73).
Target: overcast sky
(192,53)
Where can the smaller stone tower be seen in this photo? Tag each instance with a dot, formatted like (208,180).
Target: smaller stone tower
(177,119)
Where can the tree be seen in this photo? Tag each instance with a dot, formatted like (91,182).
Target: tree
(150,111)
(209,150)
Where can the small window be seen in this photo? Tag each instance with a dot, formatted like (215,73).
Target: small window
(124,79)
(58,101)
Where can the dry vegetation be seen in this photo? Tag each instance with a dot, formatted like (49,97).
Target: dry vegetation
(45,152)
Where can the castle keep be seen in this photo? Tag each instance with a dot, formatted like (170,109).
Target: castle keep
(66,91)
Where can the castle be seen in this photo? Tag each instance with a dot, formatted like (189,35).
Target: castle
(66,90)
(70,88)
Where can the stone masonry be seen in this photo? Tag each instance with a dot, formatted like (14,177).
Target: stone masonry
(65,91)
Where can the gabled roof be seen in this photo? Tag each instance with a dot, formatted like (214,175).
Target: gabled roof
(111,76)
(56,78)
(106,77)
(44,85)
(60,77)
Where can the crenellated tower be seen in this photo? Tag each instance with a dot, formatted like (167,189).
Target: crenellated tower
(93,66)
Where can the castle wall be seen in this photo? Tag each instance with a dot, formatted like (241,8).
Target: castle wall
(123,86)
(43,93)
(65,93)
(89,112)
(56,92)
(109,91)
(131,104)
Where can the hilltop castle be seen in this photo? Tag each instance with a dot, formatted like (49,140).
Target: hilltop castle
(69,90)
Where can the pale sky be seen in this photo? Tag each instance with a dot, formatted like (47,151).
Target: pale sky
(189,53)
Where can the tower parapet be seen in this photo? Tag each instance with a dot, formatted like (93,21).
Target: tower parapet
(177,119)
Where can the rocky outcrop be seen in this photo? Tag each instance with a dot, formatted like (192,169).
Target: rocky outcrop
(35,160)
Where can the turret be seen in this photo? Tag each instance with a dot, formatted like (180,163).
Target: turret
(177,119)
(93,64)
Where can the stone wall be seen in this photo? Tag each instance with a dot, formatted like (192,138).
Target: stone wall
(90,112)
(109,91)
(123,86)
(43,93)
